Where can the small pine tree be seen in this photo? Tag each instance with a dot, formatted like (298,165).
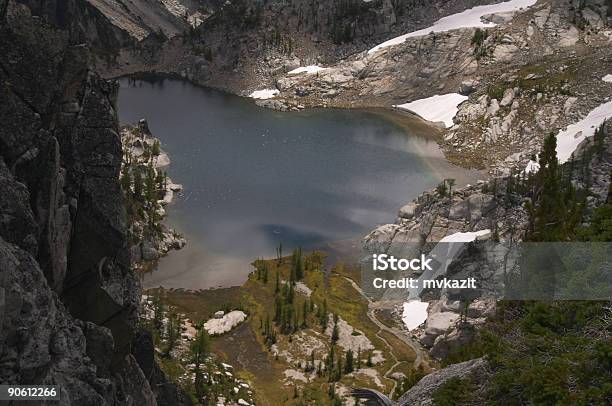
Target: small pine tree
(137,184)
(158,312)
(199,347)
(198,351)
(549,214)
(173,333)
(599,139)
(156,149)
(348,364)
(264,276)
(335,335)
(451,183)
(323,314)
(305,309)
(277,286)
(441,189)
(290,294)
(126,181)
(339,369)
(299,265)
(277,310)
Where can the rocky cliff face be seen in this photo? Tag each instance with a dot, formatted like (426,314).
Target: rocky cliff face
(537,71)
(496,206)
(68,297)
(84,22)
(245,44)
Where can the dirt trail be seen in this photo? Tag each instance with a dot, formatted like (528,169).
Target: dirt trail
(421,358)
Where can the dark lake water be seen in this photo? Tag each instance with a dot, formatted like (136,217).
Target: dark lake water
(254,177)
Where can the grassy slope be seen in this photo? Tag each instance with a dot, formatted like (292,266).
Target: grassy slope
(245,349)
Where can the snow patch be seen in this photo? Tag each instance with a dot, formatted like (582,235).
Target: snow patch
(264,94)
(569,139)
(306,69)
(607,78)
(303,289)
(438,108)
(414,314)
(466,19)
(226,323)
(465,237)
(532,167)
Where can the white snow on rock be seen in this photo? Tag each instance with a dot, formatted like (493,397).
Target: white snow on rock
(607,78)
(414,314)
(569,139)
(303,289)
(306,69)
(224,324)
(438,108)
(264,94)
(532,167)
(466,19)
(465,237)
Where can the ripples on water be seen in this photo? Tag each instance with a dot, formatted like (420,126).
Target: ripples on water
(254,177)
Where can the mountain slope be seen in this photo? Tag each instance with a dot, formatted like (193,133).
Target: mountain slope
(68,297)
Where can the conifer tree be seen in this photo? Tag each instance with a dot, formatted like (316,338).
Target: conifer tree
(277,310)
(323,315)
(549,214)
(158,312)
(335,335)
(348,364)
(126,181)
(198,350)
(599,139)
(137,184)
(150,183)
(290,294)
(339,368)
(277,288)
(451,183)
(305,309)
(173,333)
(299,265)
(155,149)
(279,253)
(265,273)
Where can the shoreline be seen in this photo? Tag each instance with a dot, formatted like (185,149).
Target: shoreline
(426,147)
(410,122)
(147,190)
(415,126)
